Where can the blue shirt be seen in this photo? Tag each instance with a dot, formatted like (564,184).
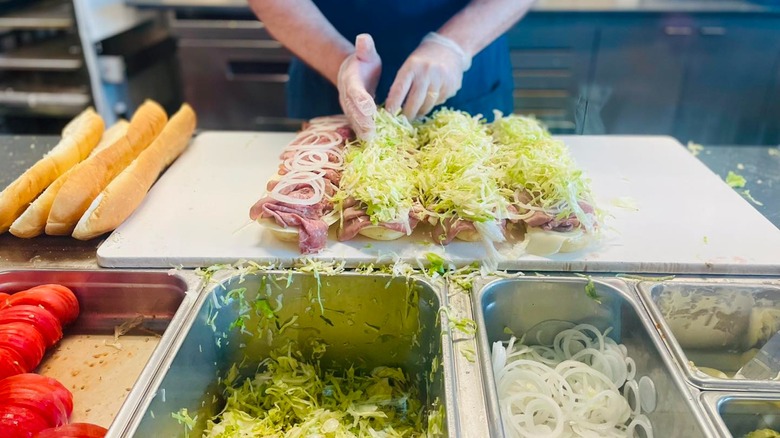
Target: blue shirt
(397,27)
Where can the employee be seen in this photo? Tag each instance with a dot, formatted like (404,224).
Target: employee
(410,54)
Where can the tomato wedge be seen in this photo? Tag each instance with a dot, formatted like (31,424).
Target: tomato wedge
(20,422)
(10,364)
(51,396)
(24,339)
(40,318)
(74,430)
(58,299)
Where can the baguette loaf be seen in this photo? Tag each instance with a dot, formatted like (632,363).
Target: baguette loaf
(33,221)
(82,135)
(123,195)
(91,176)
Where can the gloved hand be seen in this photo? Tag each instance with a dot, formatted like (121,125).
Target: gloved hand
(357,79)
(431,75)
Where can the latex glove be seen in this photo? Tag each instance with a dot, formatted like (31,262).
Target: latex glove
(357,79)
(430,75)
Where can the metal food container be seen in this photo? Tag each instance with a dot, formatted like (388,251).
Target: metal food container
(107,373)
(522,305)
(736,414)
(364,320)
(715,326)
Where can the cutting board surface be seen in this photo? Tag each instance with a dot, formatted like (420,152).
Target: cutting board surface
(666,213)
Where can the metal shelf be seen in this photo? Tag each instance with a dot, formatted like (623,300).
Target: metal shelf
(56,54)
(41,15)
(37,99)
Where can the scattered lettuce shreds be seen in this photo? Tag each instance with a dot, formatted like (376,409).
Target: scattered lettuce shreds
(695,148)
(749,197)
(293,397)
(735,180)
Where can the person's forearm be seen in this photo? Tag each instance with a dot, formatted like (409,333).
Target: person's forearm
(302,28)
(482,21)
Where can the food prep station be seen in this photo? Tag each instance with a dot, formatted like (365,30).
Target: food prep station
(182,340)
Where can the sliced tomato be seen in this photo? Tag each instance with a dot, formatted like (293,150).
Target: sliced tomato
(44,387)
(10,363)
(74,430)
(20,422)
(46,323)
(3,299)
(65,305)
(50,301)
(24,339)
(50,407)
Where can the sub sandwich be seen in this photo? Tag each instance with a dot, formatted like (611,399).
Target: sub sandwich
(458,185)
(550,194)
(298,202)
(377,194)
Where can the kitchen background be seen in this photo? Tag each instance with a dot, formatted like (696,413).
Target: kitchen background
(700,70)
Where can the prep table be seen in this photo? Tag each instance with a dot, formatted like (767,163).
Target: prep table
(758,165)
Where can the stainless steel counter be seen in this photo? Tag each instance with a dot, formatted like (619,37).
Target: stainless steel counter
(540,5)
(759,165)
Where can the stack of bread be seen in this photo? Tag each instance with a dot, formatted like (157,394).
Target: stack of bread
(94,178)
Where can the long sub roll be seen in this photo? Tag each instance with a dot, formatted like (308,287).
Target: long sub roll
(33,221)
(79,139)
(93,175)
(123,195)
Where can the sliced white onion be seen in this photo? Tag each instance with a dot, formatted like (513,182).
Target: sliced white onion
(313,180)
(640,422)
(631,394)
(581,373)
(313,160)
(316,139)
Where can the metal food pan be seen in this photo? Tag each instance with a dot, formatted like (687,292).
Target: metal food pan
(715,325)
(368,321)
(736,414)
(105,372)
(519,304)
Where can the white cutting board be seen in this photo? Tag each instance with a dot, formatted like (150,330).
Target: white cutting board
(688,220)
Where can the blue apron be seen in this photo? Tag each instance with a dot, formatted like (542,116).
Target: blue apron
(397,27)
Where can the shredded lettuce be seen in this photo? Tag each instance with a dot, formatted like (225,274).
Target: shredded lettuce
(456,178)
(536,166)
(295,397)
(380,173)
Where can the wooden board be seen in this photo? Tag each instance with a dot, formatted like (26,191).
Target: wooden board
(687,220)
